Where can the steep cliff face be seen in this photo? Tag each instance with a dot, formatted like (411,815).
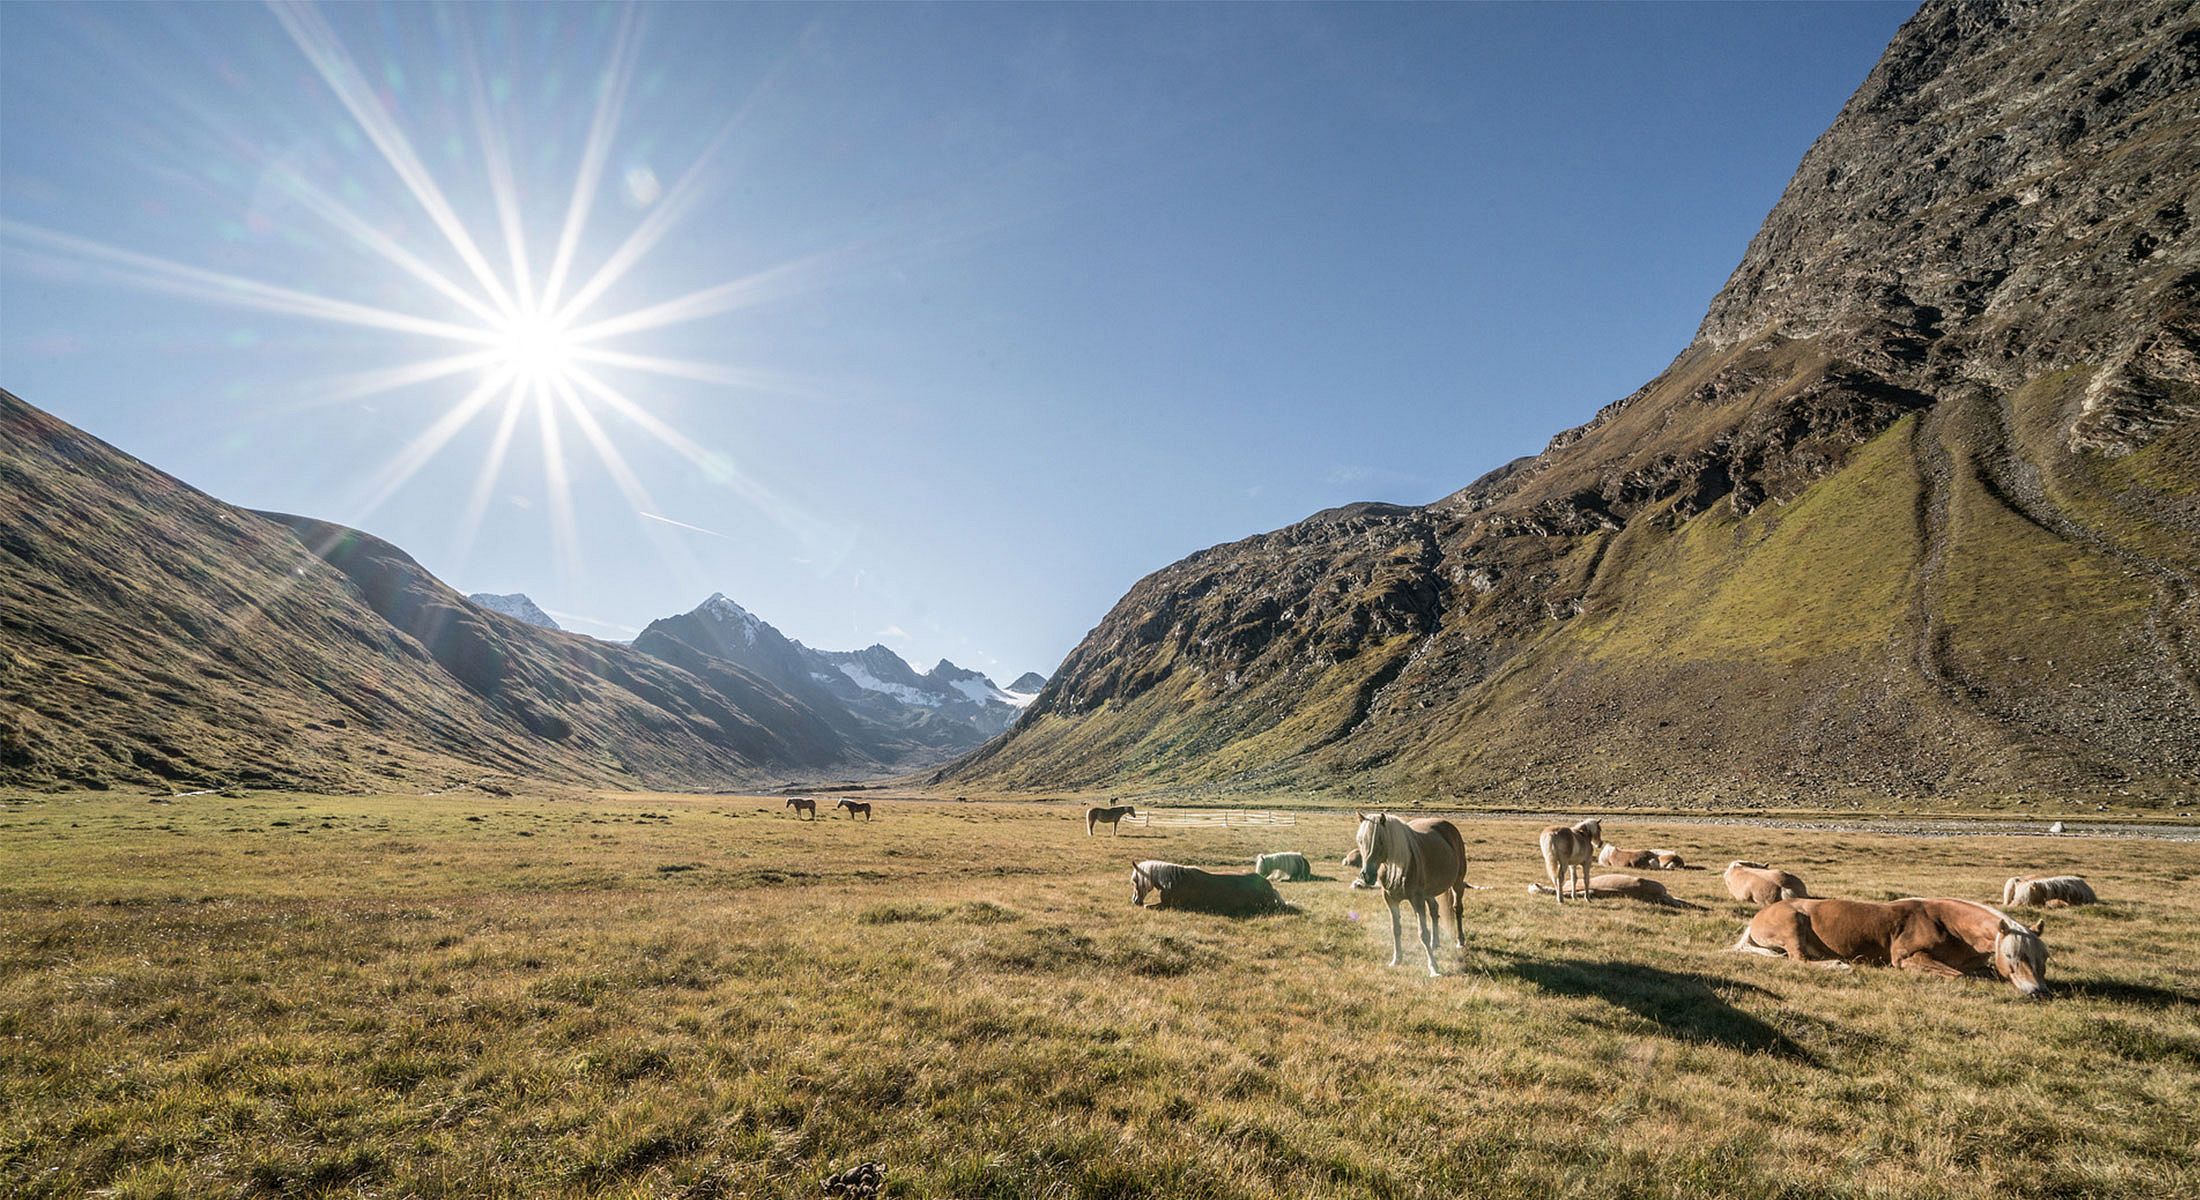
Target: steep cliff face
(1917,511)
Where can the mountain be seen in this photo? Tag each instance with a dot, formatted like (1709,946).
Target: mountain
(872,695)
(151,634)
(1917,513)
(1028,684)
(516,606)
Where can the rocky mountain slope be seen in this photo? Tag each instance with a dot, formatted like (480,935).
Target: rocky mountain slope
(150,634)
(949,709)
(516,606)
(1917,512)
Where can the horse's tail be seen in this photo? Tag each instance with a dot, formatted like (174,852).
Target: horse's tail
(1748,945)
(1458,846)
(1092,817)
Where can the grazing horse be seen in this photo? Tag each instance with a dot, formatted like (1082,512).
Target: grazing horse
(1950,938)
(1756,883)
(1415,862)
(1189,888)
(2048,891)
(1110,817)
(807,807)
(1285,866)
(854,807)
(1570,849)
(1631,887)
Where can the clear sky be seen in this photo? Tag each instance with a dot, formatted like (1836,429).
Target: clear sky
(936,326)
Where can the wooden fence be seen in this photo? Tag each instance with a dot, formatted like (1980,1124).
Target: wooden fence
(1209,819)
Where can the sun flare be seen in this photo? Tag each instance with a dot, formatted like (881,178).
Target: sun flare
(534,349)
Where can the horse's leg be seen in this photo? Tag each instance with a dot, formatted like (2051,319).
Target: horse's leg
(1424,916)
(1459,912)
(1550,871)
(1397,933)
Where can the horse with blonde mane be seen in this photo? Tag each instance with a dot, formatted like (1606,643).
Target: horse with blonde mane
(805,808)
(1630,887)
(1110,817)
(2048,891)
(1938,936)
(1415,862)
(1189,888)
(1568,850)
(1756,883)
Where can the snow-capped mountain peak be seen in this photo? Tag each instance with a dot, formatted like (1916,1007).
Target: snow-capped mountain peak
(516,605)
(720,608)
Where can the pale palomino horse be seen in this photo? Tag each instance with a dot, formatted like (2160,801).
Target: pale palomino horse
(1194,890)
(1937,936)
(806,808)
(2048,891)
(1284,866)
(1567,851)
(856,808)
(1415,862)
(1758,884)
(1110,817)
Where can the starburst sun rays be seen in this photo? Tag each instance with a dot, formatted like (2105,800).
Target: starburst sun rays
(532,343)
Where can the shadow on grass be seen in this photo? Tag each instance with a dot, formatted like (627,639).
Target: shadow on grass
(2116,991)
(1681,1004)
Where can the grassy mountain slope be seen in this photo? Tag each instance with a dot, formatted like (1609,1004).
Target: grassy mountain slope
(1916,514)
(152,634)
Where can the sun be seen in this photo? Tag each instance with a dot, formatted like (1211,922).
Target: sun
(534,348)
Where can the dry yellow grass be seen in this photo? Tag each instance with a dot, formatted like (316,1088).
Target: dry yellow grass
(703,996)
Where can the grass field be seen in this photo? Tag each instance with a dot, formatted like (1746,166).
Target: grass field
(705,997)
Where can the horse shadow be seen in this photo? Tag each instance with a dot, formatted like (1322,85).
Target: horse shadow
(2141,995)
(1682,1004)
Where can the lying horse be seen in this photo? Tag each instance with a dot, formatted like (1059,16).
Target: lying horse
(1110,817)
(1669,861)
(1950,938)
(1634,860)
(1351,858)
(1415,862)
(1192,889)
(1284,866)
(804,806)
(1630,887)
(2048,891)
(1570,849)
(854,807)
(1756,883)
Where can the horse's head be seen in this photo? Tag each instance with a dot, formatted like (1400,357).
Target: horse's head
(1141,883)
(1374,832)
(2021,958)
(1593,829)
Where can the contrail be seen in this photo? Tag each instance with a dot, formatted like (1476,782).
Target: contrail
(682,524)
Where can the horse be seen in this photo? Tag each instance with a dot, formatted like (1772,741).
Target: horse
(1351,858)
(1415,862)
(1632,887)
(1110,817)
(1756,883)
(1570,847)
(803,806)
(1284,866)
(1669,861)
(1634,860)
(1938,936)
(854,807)
(2048,891)
(1194,890)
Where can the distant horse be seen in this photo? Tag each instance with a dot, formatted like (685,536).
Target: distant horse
(854,807)
(1194,890)
(1631,887)
(1756,883)
(1568,849)
(806,807)
(2048,891)
(1110,817)
(1669,861)
(1415,862)
(1950,938)
(1284,866)
(1633,860)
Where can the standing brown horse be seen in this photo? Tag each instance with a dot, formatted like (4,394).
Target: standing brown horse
(1110,817)
(1940,936)
(1415,862)
(854,807)
(807,807)
(1569,849)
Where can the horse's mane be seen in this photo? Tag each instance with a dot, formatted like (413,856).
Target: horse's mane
(1398,852)
(1163,874)
(2009,924)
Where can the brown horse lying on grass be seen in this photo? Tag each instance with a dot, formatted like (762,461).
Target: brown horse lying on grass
(1951,938)
(1189,888)
(1756,883)
(1628,887)
(1640,860)
(2048,891)
(807,808)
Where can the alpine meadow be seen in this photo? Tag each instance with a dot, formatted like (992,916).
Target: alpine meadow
(1782,783)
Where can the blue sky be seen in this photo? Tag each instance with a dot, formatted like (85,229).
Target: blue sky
(983,312)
